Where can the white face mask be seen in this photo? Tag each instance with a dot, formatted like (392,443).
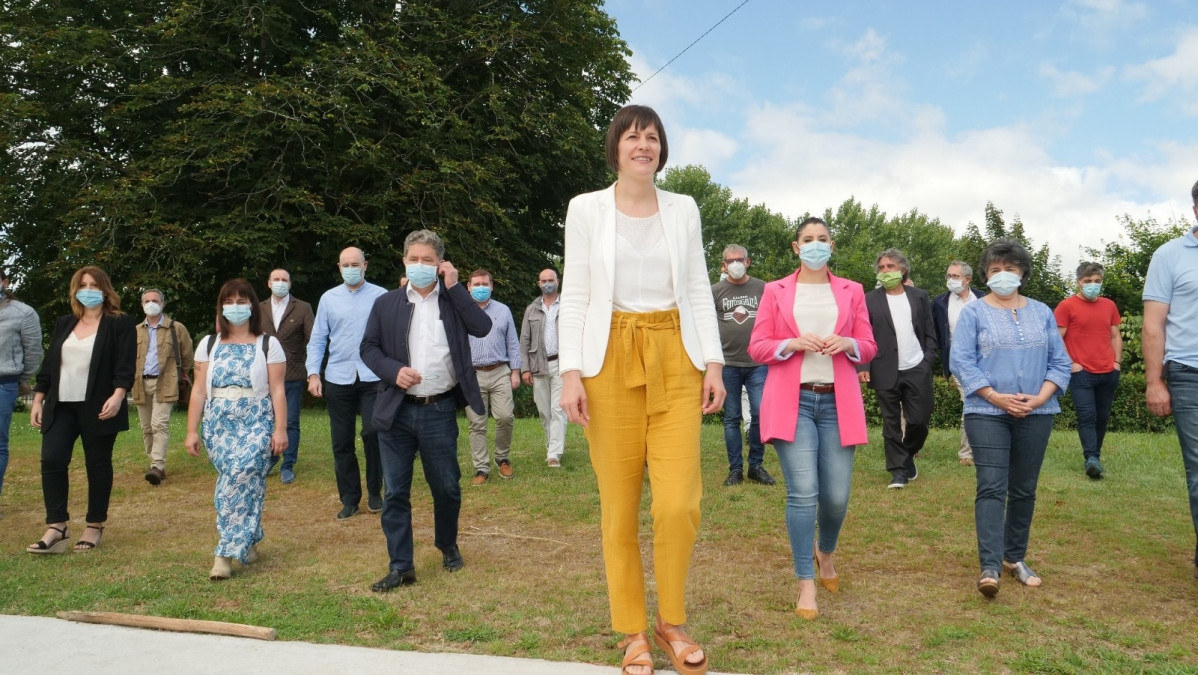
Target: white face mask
(736,270)
(955,285)
(152,309)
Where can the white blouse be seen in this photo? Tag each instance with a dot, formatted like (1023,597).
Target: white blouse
(76,359)
(644,280)
(815,312)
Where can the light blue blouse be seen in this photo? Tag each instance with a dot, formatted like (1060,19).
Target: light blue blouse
(992,349)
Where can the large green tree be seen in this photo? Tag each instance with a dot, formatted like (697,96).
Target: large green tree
(1125,260)
(179,144)
(1046,284)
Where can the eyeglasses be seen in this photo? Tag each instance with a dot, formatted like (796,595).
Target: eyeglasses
(955,277)
(729,261)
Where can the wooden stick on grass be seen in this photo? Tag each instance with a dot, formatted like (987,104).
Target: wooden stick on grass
(178,625)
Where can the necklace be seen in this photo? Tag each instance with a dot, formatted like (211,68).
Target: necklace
(1014,310)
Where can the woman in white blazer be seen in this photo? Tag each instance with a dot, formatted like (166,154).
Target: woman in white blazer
(637,330)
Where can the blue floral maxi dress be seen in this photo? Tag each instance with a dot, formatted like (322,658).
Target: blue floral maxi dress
(237,434)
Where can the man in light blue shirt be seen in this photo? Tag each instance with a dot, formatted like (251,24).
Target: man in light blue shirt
(496,360)
(348,386)
(1170,344)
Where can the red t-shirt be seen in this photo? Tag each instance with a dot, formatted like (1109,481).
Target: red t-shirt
(1088,331)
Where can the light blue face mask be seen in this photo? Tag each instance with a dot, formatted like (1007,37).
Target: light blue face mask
(89,297)
(480,293)
(1004,283)
(421,275)
(351,275)
(236,314)
(280,288)
(815,254)
(1091,291)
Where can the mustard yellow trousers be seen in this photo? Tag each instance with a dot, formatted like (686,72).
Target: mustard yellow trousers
(645,411)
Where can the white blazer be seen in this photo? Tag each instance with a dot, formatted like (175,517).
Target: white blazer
(588,280)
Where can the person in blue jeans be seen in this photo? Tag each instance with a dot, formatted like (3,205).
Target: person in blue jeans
(736,298)
(20,355)
(1170,343)
(1010,360)
(289,319)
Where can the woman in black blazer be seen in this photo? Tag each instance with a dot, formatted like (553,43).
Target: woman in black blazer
(80,394)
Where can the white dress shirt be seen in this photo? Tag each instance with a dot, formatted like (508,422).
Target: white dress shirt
(428,345)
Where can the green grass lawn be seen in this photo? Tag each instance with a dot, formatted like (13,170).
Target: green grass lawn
(1118,591)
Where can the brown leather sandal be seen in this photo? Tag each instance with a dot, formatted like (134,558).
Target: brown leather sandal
(639,655)
(663,638)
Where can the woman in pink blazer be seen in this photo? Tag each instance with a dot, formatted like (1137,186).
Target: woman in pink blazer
(811,330)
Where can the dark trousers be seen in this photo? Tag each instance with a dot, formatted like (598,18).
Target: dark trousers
(430,431)
(1093,394)
(58,443)
(1007,452)
(345,402)
(911,397)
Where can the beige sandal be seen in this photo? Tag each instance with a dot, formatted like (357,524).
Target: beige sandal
(639,655)
(663,638)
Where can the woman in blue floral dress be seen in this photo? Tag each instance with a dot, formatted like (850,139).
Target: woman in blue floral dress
(239,392)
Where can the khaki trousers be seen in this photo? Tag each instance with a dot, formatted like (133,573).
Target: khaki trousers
(155,418)
(496,388)
(645,412)
(964,452)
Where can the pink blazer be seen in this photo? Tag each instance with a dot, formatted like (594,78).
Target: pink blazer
(775,325)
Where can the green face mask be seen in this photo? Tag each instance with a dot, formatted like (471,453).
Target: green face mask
(890,279)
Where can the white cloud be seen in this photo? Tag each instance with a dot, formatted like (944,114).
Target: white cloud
(1070,84)
(1099,21)
(1172,75)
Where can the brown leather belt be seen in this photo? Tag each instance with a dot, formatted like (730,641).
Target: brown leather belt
(818,388)
(551,358)
(488,368)
(426,400)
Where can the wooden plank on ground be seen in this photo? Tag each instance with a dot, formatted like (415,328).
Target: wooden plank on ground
(167,623)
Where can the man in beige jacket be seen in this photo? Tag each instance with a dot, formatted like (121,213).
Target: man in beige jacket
(163,345)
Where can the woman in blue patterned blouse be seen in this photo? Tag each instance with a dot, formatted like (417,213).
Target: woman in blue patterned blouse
(1009,358)
(238,389)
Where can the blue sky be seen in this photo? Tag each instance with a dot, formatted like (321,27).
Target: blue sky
(1066,113)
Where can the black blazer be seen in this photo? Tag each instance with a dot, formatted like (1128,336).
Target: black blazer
(883,370)
(114,357)
(940,318)
(384,346)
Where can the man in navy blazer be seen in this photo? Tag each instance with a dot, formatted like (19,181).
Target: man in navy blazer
(946,307)
(416,342)
(901,373)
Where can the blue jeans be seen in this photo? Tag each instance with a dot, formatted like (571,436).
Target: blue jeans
(1093,394)
(1007,453)
(818,471)
(432,432)
(1183,390)
(753,380)
(8,399)
(294,392)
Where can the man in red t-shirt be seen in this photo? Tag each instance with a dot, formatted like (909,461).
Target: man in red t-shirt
(1090,326)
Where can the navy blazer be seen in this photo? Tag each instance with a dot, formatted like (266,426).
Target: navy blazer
(940,318)
(113,365)
(384,346)
(883,370)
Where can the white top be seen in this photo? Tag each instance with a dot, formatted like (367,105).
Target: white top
(428,345)
(815,312)
(644,280)
(75,360)
(258,376)
(955,305)
(909,352)
(278,308)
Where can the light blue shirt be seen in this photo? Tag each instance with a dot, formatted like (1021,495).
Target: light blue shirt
(151,365)
(340,322)
(1173,279)
(992,350)
(502,344)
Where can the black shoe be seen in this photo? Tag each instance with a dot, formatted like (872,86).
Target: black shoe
(910,470)
(735,477)
(374,503)
(898,481)
(451,559)
(347,511)
(760,475)
(1093,468)
(394,579)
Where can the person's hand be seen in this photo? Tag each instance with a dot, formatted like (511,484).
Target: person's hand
(806,343)
(1075,368)
(1159,401)
(448,272)
(314,387)
(574,399)
(192,444)
(527,377)
(1015,405)
(863,377)
(713,390)
(407,377)
(35,415)
(515,380)
(278,441)
(835,344)
(112,405)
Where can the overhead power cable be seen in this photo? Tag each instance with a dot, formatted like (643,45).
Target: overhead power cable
(717,23)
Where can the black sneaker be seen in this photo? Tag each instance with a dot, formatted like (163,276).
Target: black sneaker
(735,477)
(1093,468)
(898,481)
(910,470)
(347,511)
(758,474)
(374,503)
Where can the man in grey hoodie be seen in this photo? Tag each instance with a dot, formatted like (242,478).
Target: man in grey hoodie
(20,356)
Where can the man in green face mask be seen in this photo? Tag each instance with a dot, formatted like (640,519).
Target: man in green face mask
(901,373)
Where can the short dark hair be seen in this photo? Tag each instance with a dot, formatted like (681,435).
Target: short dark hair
(898,257)
(1006,250)
(634,117)
(480,272)
(246,290)
(810,221)
(1087,268)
